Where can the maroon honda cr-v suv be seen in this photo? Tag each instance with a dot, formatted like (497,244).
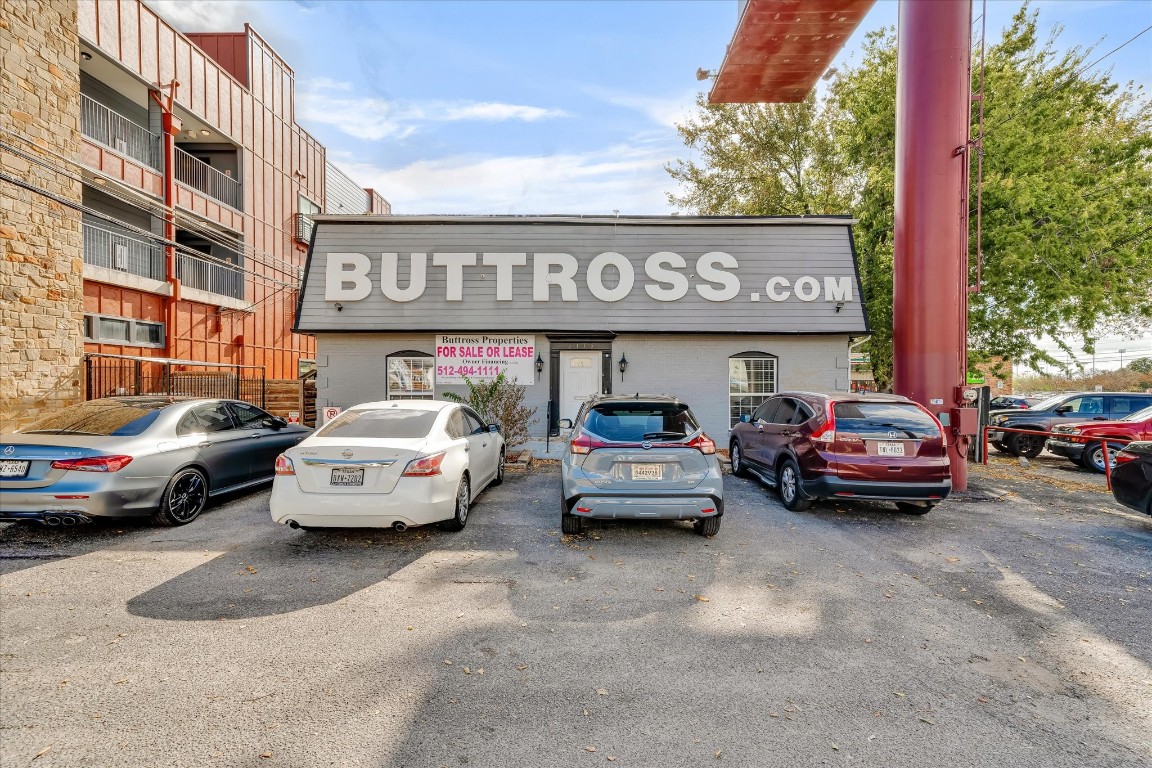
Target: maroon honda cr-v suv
(813,446)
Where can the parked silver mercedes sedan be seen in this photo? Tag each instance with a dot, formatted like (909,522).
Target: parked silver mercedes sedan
(155,456)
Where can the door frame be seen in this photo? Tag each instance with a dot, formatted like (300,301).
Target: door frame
(558,343)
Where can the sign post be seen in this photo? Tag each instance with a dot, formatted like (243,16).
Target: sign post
(330,412)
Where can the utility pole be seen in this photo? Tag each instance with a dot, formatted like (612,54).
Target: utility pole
(1122,358)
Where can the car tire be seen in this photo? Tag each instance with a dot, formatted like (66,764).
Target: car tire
(910,508)
(570,525)
(499,470)
(736,456)
(1025,444)
(1093,456)
(459,517)
(999,446)
(184,498)
(707,526)
(788,483)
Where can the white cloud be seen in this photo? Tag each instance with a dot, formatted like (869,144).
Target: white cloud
(328,101)
(209,17)
(667,112)
(629,178)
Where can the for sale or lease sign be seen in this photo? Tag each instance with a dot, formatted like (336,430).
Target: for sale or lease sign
(482,357)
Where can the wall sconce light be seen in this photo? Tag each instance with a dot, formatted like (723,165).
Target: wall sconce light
(339,307)
(839,306)
(539,365)
(205,132)
(623,366)
(85,56)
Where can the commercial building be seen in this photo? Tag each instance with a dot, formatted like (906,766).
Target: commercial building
(721,312)
(157,197)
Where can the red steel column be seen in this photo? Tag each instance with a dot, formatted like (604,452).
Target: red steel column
(929,311)
(171,125)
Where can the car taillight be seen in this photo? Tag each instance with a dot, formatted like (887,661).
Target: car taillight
(703,443)
(284,465)
(826,432)
(94,464)
(584,444)
(425,466)
(1123,457)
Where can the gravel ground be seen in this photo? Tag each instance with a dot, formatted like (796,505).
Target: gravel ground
(1009,627)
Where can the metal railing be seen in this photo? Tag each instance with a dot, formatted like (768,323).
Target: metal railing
(210,275)
(1104,441)
(117,132)
(117,375)
(105,246)
(198,175)
(302,227)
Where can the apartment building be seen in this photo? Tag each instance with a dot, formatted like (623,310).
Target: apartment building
(166,169)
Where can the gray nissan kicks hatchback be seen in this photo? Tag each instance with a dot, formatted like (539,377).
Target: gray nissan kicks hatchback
(640,457)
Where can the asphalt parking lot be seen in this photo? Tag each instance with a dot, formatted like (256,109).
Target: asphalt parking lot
(1008,627)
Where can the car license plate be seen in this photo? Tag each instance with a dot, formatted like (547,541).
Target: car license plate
(889,449)
(9,468)
(647,471)
(347,477)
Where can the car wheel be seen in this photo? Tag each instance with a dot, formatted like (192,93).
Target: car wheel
(736,455)
(569,523)
(1025,444)
(463,500)
(184,498)
(1093,456)
(499,470)
(789,485)
(707,526)
(912,508)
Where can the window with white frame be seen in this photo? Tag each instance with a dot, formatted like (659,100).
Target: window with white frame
(123,330)
(751,381)
(411,376)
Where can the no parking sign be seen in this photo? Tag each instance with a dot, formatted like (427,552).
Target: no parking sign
(330,412)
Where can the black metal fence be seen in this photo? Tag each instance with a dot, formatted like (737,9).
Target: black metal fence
(114,375)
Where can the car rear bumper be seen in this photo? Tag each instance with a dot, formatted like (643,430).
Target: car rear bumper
(37,505)
(414,501)
(829,486)
(1067,449)
(677,507)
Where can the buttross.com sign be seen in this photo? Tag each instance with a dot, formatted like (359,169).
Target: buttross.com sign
(608,277)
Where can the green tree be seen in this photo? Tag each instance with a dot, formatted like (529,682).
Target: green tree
(1067,227)
(1141,365)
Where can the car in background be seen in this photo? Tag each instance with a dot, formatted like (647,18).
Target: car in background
(1132,477)
(1059,409)
(395,463)
(812,446)
(1013,401)
(157,456)
(1084,442)
(639,457)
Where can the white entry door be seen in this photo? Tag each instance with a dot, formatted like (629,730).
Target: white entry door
(579,380)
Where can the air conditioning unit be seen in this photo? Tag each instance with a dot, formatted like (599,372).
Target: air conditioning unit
(120,256)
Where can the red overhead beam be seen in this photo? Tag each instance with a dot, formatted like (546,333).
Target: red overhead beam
(782,47)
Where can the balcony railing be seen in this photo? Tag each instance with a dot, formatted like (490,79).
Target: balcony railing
(210,275)
(302,228)
(117,132)
(112,249)
(202,177)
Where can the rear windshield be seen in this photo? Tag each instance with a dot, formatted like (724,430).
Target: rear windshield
(395,423)
(641,421)
(898,421)
(105,419)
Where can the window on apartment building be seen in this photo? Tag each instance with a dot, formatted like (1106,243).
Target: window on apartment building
(306,210)
(411,376)
(123,330)
(751,381)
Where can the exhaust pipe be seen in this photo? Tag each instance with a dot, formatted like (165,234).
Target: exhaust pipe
(293,524)
(399,527)
(52,520)
(68,521)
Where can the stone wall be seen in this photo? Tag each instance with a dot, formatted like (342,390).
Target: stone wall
(41,259)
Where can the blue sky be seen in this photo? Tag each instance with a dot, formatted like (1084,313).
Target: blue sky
(545,106)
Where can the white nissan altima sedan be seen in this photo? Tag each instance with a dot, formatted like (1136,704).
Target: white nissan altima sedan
(389,464)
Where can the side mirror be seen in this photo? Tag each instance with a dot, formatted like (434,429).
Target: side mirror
(745,419)
(494,428)
(1064,409)
(564,423)
(276,422)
